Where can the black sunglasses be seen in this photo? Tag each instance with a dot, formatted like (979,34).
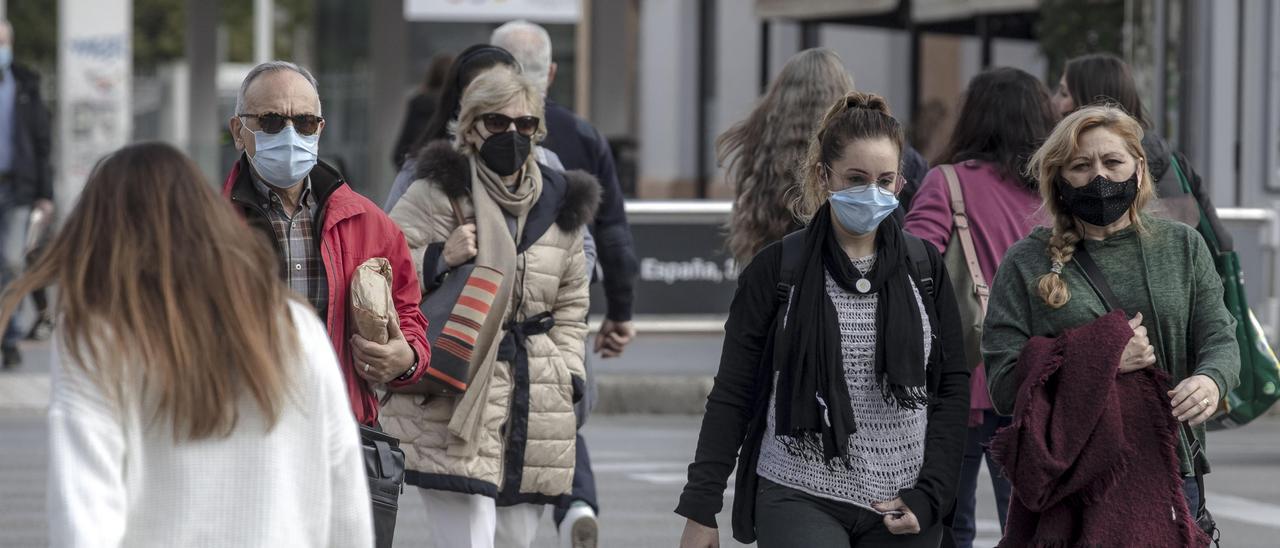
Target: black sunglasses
(273,122)
(498,123)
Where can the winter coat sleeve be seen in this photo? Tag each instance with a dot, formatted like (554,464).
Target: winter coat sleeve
(930,216)
(421,228)
(614,247)
(1006,331)
(935,489)
(1213,329)
(731,403)
(570,312)
(43,149)
(87,499)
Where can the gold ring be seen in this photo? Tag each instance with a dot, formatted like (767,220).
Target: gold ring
(366,370)
(1205,402)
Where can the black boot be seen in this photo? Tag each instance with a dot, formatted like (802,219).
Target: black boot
(12,358)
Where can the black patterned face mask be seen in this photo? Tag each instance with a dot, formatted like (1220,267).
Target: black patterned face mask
(1102,201)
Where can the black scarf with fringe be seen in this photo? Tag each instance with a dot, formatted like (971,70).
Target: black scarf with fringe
(812,394)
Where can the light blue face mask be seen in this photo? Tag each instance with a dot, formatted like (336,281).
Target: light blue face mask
(284,159)
(861,209)
(6,56)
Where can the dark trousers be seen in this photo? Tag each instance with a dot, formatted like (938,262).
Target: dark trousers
(975,451)
(584,483)
(786,517)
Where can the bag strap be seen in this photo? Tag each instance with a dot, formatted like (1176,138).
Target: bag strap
(792,254)
(921,266)
(457,212)
(1205,228)
(960,219)
(1098,282)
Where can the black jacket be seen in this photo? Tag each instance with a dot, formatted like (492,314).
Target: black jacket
(580,146)
(421,108)
(32,168)
(1168,187)
(734,423)
(914,168)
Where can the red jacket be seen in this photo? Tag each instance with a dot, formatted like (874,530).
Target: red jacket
(353,230)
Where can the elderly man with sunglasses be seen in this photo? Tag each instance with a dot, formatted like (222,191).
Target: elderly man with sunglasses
(321,228)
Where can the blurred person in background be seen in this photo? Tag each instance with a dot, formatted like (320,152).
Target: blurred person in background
(1105,78)
(762,153)
(1004,116)
(26,171)
(182,369)
(579,146)
(421,107)
(842,390)
(488,460)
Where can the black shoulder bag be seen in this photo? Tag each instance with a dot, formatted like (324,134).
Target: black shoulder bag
(1098,282)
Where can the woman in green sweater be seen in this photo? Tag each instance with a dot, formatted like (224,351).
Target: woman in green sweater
(1095,186)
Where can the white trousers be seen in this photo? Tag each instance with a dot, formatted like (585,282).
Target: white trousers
(459,521)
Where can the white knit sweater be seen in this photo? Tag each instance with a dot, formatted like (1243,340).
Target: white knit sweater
(887,449)
(118,478)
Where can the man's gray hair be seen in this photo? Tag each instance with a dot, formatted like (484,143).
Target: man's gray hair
(530,45)
(272,66)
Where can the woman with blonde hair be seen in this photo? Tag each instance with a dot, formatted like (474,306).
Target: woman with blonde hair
(842,391)
(194,401)
(489,458)
(1095,185)
(761,153)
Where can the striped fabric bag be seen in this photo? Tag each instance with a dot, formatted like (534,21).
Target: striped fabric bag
(453,337)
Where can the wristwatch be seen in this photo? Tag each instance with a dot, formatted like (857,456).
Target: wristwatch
(412,369)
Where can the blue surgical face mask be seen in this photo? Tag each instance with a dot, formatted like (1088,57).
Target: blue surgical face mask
(861,209)
(284,159)
(6,56)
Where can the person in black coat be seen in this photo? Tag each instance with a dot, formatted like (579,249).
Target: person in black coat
(26,170)
(842,393)
(421,108)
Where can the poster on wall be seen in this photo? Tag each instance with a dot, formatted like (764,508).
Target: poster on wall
(94,68)
(493,11)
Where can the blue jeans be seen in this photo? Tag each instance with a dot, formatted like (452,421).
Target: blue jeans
(964,528)
(13,240)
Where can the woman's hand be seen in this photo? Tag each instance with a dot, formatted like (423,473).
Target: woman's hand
(461,245)
(1195,399)
(697,535)
(898,518)
(1138,354)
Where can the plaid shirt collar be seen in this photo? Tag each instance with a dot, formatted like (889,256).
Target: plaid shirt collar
(306,200)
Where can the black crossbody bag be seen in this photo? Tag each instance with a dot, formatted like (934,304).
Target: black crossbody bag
(1097,281)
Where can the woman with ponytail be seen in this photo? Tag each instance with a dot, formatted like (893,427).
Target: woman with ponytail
(843,391)
(1095,184)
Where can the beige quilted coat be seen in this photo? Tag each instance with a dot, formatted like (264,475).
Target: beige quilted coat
(552,278)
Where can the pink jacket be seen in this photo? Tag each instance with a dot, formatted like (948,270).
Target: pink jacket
(1001,212)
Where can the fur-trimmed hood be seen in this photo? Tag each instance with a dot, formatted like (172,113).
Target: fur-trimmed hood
(578,192)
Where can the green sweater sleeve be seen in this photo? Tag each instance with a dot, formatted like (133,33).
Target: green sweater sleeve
(1004,333)
(1213,329)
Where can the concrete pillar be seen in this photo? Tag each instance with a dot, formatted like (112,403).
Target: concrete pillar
(668,99)
(264,30)
(204,126)
(388,53)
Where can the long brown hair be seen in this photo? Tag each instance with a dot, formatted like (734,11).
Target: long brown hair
(1046,166)
(855,116)
(761,153)
(156,271)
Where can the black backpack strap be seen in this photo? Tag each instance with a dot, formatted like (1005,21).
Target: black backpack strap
(921,264)
(792,256)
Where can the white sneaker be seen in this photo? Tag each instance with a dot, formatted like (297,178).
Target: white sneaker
(579,528)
